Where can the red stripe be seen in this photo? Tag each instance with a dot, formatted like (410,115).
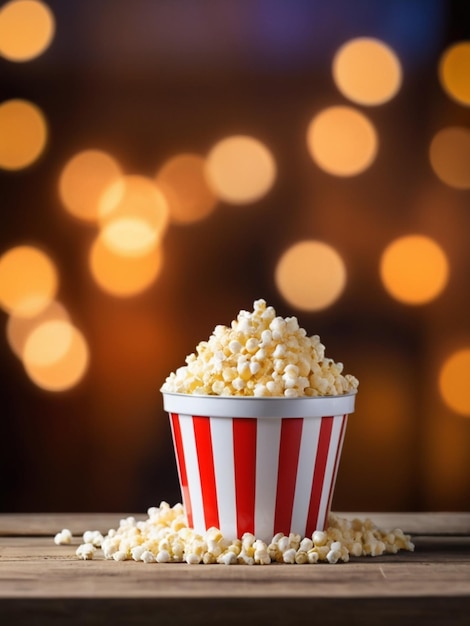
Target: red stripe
(335,468)
(319,475)
(291,433)
(183,476)
(205,459)
(244,453)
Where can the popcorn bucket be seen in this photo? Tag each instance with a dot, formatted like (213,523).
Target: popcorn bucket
(258,465)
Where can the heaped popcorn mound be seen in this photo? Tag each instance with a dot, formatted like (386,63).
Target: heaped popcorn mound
(260,354)
(165,538)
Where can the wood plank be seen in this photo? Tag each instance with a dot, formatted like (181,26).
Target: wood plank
(44,583)
(180,581)
(39,524)
(420,523)
(35,568)
(42,524)
(331,611)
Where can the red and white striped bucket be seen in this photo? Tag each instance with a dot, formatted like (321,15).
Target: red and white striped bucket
(258,465)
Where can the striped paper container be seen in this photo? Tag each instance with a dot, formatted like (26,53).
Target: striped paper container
(258,465)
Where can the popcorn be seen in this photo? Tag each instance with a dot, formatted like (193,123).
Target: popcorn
(260,354)
(63,537)
(165,538)
(148,557)
(94,537)
(86,551)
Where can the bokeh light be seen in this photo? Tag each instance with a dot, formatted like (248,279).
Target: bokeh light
(84,179)
(129,236)
(123,276)
(454,379)
(26,29)
(133,216)
(48,343)
(183,182)
(310,275)
(19,328)
(414,269)
(28,281)
(342,141)
(23,134)
(454,72)
(449,154)
(367,71)
(240,169)
(56,356)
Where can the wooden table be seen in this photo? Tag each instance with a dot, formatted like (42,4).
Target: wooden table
(42,583)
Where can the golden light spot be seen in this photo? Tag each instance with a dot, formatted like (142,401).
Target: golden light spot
(453,381)
(240,169)
(28,281)
(133,215)
(84,179)
(310,275)
(414,269)
(26,29)
(454,72)
(123,276)
(56,356)
(129,236)
(449,154)
(19,328)
(342,141)
(48,343)
(23,134)
(183,182)
(367,71)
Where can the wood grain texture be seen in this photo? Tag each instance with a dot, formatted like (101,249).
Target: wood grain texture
(42,524)
(42,583)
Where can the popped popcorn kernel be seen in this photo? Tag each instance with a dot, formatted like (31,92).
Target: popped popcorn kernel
(227,558)
(301,557)
(193,559)
(64,537)
(289,556)
(94,537)
(163,556)
(333,556)
(260,354)
(147,557)
(164,537)
(86,551)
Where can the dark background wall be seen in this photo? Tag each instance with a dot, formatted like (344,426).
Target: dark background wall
(145,80)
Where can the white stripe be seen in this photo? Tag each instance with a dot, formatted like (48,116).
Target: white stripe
(192,472)
(268,437)
(305,471)
(340,448)
(224,469)
(330,466)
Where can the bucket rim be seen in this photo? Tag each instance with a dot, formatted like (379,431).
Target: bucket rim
(251,406)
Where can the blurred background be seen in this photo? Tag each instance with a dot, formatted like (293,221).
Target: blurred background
(164,163)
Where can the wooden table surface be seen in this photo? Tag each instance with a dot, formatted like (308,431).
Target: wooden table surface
(42,583)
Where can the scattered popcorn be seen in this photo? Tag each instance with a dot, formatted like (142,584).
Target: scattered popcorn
(137,553)
(260,354)
(148,557)
(86,551)
(165,538)
(64,537)
(94,537)
(228,558)
(333,556)
(289,556)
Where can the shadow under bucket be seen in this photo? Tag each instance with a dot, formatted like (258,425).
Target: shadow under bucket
(258,465)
